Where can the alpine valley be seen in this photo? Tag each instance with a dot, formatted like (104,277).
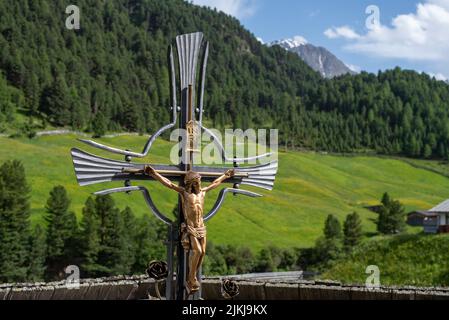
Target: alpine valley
(345,138)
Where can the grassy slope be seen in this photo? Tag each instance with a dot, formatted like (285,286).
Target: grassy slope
(407,259)
(309,187)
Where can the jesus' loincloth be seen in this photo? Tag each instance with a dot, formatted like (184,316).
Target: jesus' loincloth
(198,233)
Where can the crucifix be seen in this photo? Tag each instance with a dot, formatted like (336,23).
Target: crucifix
(186,243)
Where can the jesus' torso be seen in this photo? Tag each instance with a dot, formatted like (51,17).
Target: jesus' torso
(193,205)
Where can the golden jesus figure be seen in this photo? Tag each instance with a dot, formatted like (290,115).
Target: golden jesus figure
(193,230)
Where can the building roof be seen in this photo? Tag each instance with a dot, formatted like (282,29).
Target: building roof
(423,213)
(442,207)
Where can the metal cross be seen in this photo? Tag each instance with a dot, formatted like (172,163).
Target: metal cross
(91,169)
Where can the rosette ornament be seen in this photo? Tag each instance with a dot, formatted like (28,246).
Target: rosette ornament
(157,270)
(229,289)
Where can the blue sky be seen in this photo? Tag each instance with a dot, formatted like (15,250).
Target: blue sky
(410,34)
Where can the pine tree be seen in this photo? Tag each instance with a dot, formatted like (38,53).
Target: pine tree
(31,90)
(383,225)
(37,256)
(78,115)
(352,230)
(132,120)
(14,222)
(108,238)
(427,153)
(55,102)
(61,232)
(99,125)
(149,245)
(112,240)
(385,199)
(130,241)
(7,106)
(89,239)
(332,228)
(328,247)
(397,216)
(391,216)
(15,70)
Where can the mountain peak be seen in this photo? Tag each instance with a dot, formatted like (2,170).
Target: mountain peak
(318,58)
(291,43)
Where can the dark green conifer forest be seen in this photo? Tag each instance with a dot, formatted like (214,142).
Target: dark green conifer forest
(82,79)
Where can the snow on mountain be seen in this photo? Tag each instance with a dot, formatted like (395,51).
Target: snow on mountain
(295,42)
(318,58)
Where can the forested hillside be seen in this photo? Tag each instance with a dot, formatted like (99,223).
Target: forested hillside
(112,74)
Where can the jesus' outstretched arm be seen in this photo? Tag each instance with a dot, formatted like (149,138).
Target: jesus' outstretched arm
(228,174)
(164,181)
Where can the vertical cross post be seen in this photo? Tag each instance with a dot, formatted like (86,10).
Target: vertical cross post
(183,166)
(172,236)
(189,48)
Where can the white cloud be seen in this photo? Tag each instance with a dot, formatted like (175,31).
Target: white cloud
(419,36)
(441,3)
(438,76)
(354,68)
(236,8)
(260,40)
(341,32)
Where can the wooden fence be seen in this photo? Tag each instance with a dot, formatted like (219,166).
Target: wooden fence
(138,287)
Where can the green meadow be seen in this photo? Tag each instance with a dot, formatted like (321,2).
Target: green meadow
(308,188)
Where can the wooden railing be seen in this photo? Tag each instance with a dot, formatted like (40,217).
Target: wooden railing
(141,287)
